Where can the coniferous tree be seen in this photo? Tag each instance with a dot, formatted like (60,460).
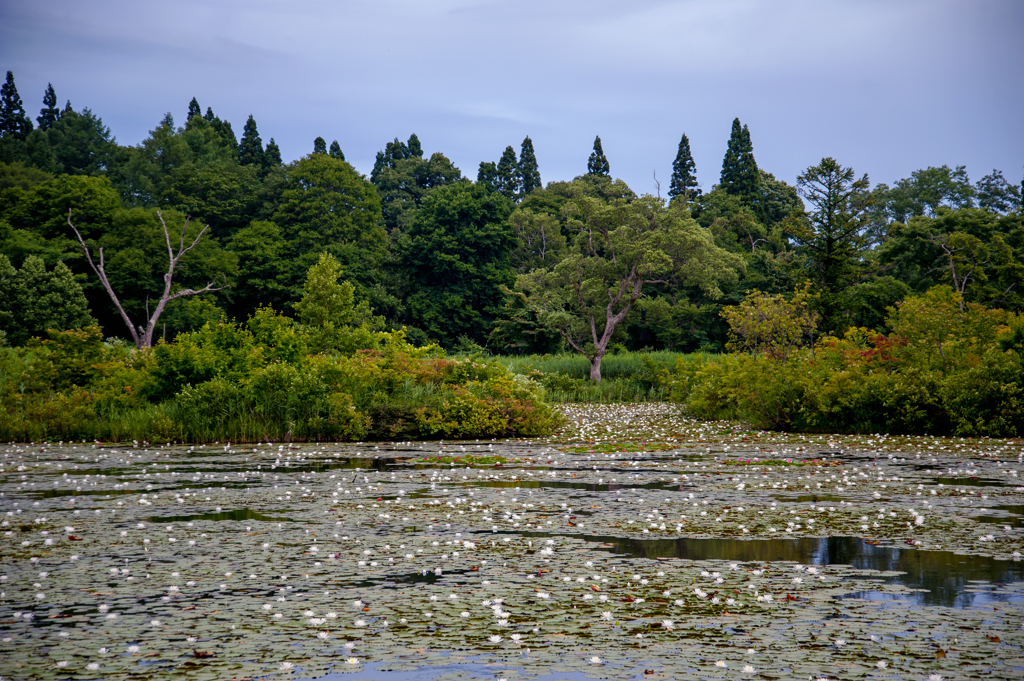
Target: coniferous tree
(414,147)
(319,145)
(739,170)
(508,174)
(336,151)
(529,173)
(67,107)
(597,164)
(13,120)
(194,110)
(272,155)
(209,114)
(250,148)
(49,114)
(684,173)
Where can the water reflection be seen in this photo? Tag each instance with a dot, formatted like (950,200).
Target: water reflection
(239,514)
(945,575)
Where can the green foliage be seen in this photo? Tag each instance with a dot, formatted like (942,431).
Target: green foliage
(403,178)
(13,120)
(597,164)
(618,249)
(333,321)
(326,206)
(943,369)
(529,171)
(740,176)
(34,300)
(457,253)
(508,181)
(684,173)
(250,147)
(49,114)
(774,325)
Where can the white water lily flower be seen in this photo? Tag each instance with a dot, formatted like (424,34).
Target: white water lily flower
(495,639)
(595,660)
(285,666)
(721,663)
(748,669)
(881,664)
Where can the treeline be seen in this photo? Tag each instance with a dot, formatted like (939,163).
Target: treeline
(469,263)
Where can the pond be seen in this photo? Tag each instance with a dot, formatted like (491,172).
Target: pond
(691,560)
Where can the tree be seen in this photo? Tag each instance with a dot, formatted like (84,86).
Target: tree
(403,177)
(319,146)
(739,169)
(14,121)
(327,206)
(82,144)
(487,175)
(272,155)
(684,173)
(540,240)
(529,172)
(143,335)
(193,110)
(597,164)
(49,114)
(456,255)
(34,300)
(334,321)
(618,248)
(250,148)
(994,193)
(508,180)
(773,324)
(832,235)
(336,151)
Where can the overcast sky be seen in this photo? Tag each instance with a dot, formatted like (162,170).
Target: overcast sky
(886,86)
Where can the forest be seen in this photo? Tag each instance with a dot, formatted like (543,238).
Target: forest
(196,287)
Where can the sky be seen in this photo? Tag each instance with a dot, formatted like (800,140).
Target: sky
(884,86)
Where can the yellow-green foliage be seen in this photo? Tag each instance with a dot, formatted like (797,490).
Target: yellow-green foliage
(334,376)
(947,367)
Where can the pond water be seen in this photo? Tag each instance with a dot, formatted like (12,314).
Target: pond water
(361,561)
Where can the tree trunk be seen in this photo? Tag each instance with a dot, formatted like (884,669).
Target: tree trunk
(595,367)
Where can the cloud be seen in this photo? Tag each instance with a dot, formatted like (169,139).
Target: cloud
(886,87)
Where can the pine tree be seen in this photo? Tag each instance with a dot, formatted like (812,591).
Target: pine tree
(740,176)
(414,147)
(684,173)
(194,110)
(336,151)
(319,145)
(13,120)
(209,114)
(250,148)
(67,108)
(529,173)
(597,164)
(508,174)
(272,155)
(49,114)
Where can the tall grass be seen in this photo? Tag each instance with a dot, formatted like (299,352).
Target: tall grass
(625,377)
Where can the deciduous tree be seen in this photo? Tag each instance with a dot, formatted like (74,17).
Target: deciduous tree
(618,248)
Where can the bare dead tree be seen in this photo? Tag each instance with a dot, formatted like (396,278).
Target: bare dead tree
(143,335)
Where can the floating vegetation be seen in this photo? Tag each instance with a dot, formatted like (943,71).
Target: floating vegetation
(624,447)
(780,462)
(279,560)
(468,460)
